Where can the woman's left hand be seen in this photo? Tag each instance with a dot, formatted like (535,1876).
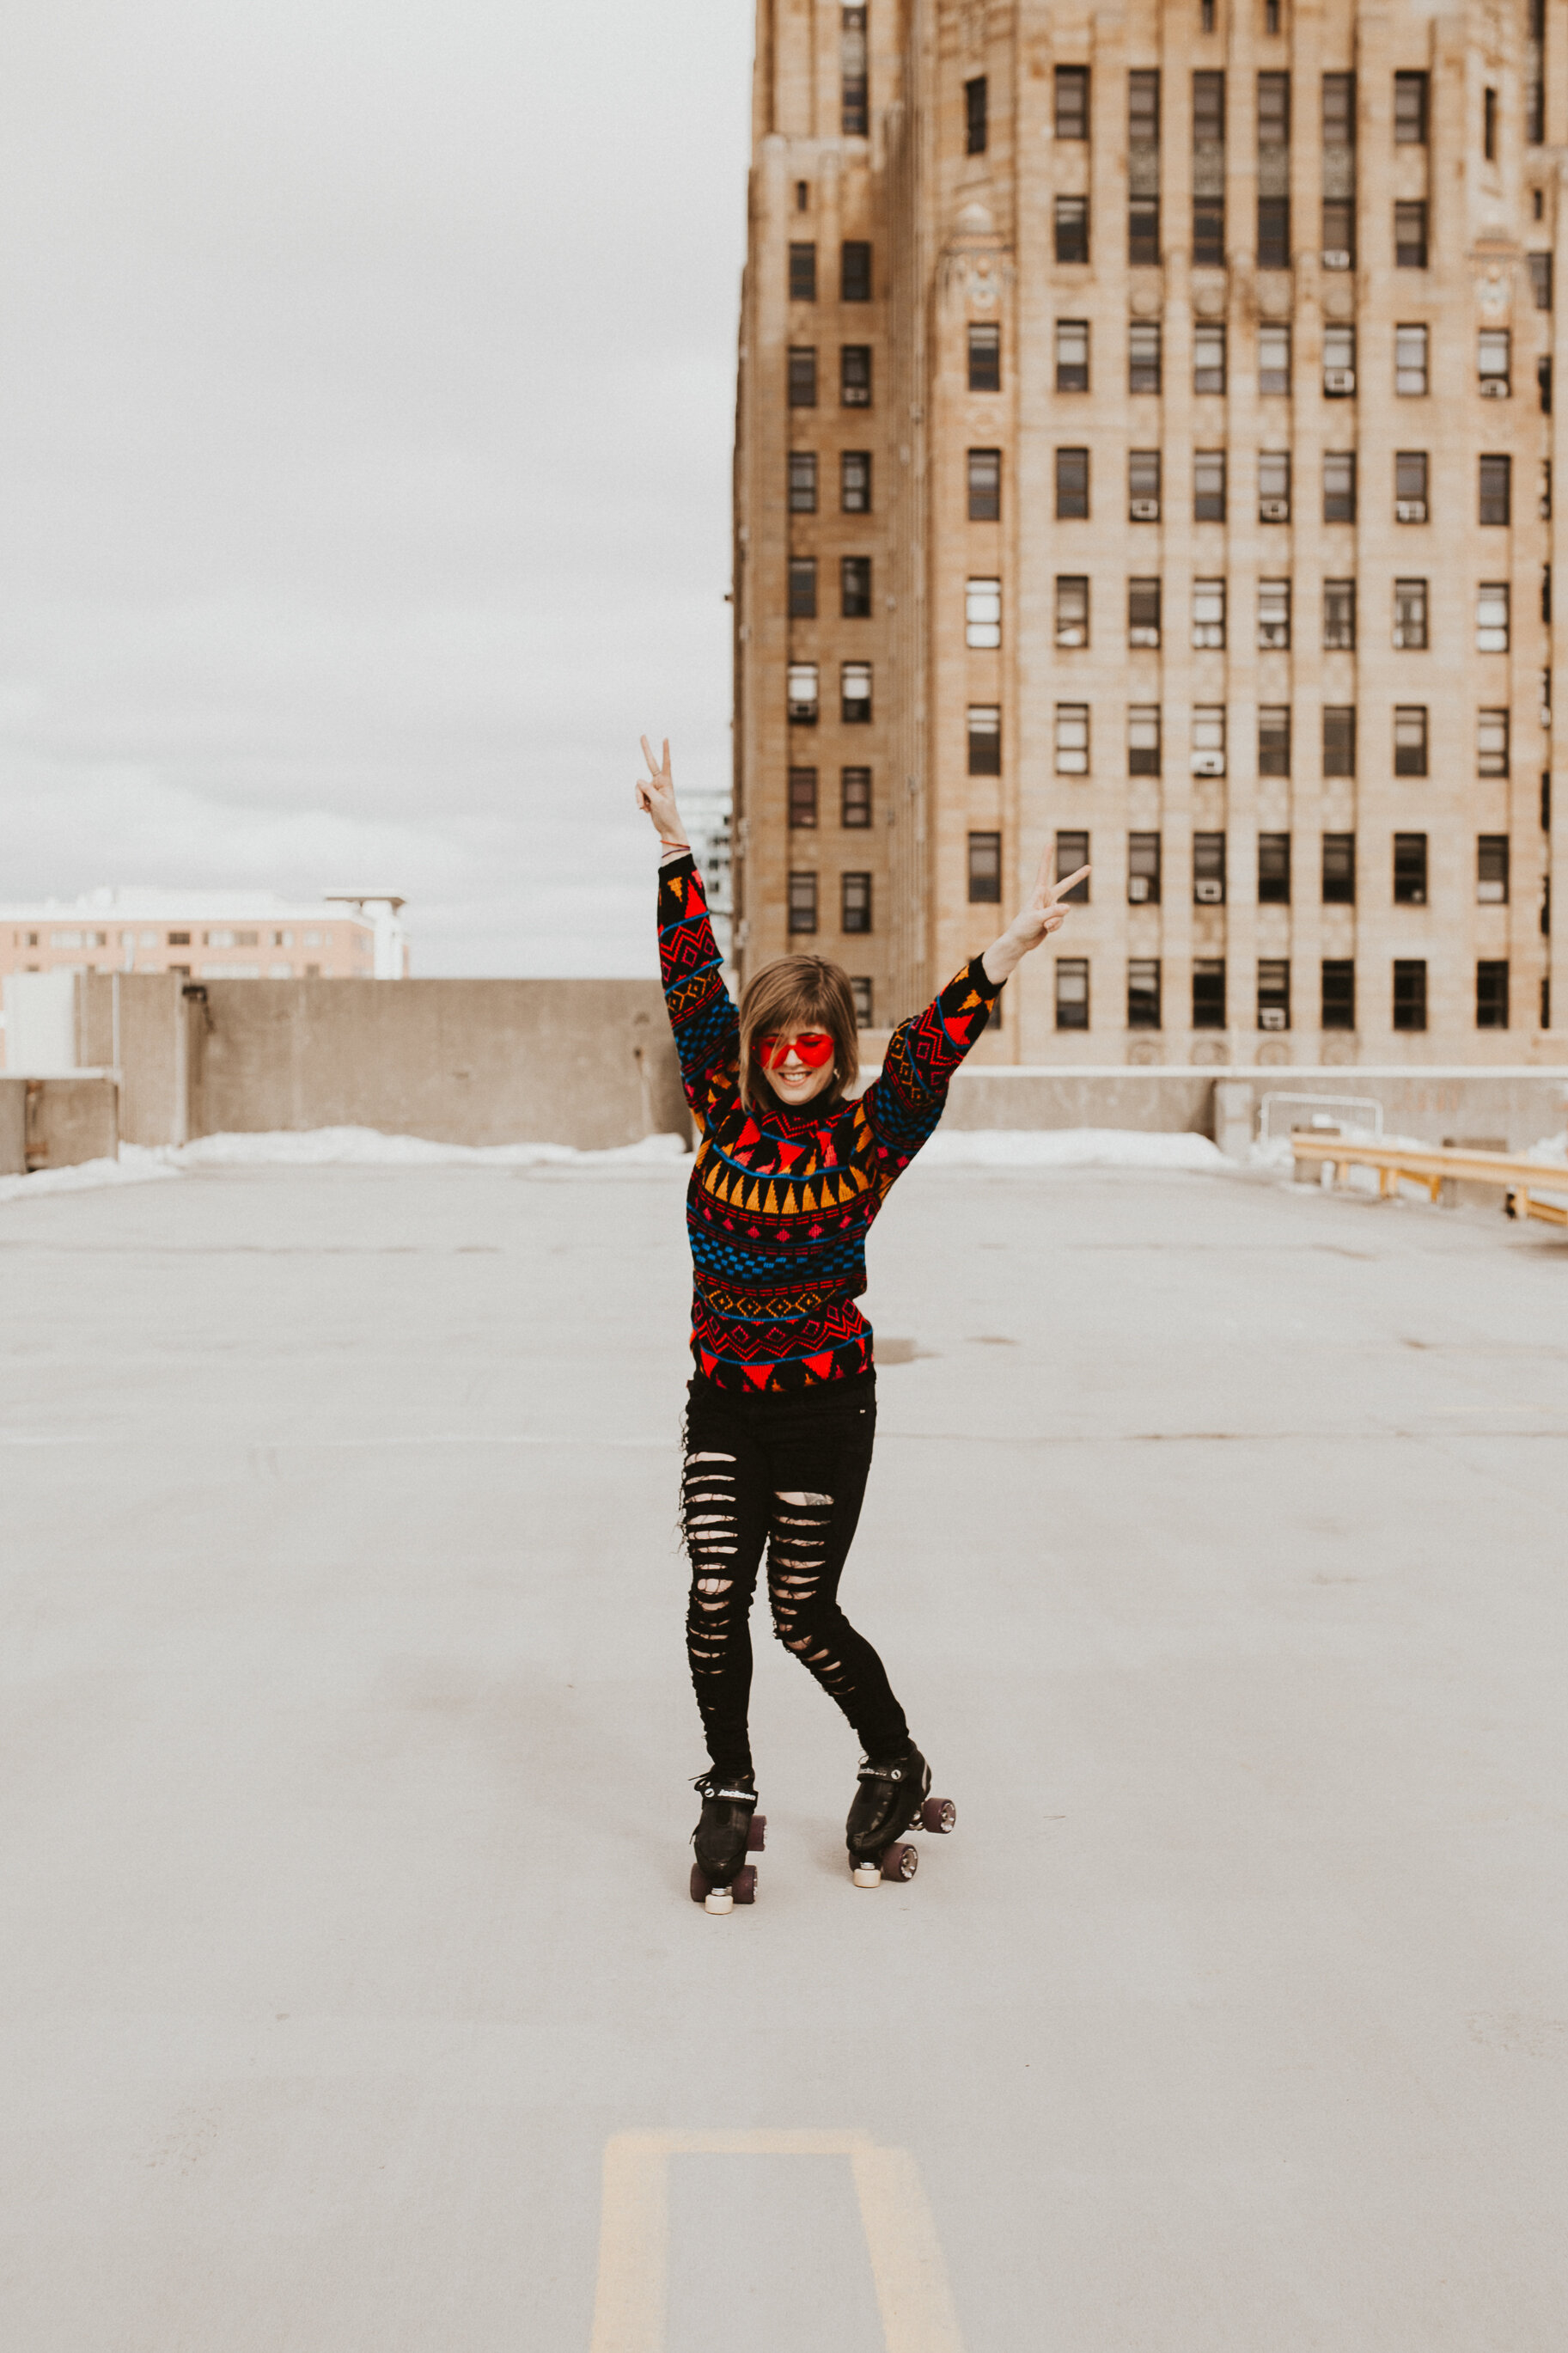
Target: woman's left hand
(1043,915)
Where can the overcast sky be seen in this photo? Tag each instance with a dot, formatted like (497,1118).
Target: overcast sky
(366,395)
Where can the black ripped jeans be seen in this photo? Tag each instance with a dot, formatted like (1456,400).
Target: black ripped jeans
(788,1473)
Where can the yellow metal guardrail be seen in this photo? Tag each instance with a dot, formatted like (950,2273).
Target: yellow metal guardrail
(1521,1181)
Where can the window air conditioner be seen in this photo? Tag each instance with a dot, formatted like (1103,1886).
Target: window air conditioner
(1339,381)
(1208,893)
(1271,1017)
(1208,764)
(1410,509)
(1336,257)
(1145,510)
(1489,894)
(1494,387)
(1274,510)
(1138,889)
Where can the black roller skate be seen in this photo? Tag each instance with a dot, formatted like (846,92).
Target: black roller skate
(893,1795)
(730,1827)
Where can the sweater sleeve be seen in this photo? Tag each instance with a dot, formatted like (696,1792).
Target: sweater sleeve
(702,1012)
(904,1102)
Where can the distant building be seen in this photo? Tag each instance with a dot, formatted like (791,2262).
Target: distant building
(210,934)
(707,817)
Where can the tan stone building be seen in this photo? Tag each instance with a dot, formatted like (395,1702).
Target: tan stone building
(1145,444)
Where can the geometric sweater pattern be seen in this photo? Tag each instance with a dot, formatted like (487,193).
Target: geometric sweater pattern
(780,1201)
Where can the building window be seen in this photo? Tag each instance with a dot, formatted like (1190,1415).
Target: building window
(1274,171)
(985,486)
(1072,485)
(984,739)
(1410,110)
(1410,486)
(860,991)
(1339,486)
(1072,852)
(1072,609)
(1492,869)
(1072,739)
(803,482)
(1339,362)
(803,273)
(1491,985)
(1273,993)
(1273,359)
(1410,739)
(1274,615)
(1144,169)
(1410,615)
(1142,870)
(1208,992)
(1543,382)
(1072,102)
(984,870)
(1338,1011)
(1072,228)
(1274,486)
(1410,235)
(1208,171)
(976,126)
(802,799)
(855,270)
(854,481)
(984,358)
(1338,165)
(983,613)
(1143,355)
(1541,280)
(802,196)
(1410,361)
(1208,356)
(802,903)
(1274,739)
(802,587)
(854,92)
(1144,612)
(1072,992)
(1410,869)
(855,376)
(1208,613)
(802,377)
(1209,486)
(854,799)
(1143,993)
(1491,617)
(855,902)
(1144,739)
(1491,743)
(1339,616)
(855,694)
(1208,869)
(802,693)
(1073,355)
(1338,869)
(1339,739)
(855,588)
(1274,870)
(1409,994)
(1143,485)
(1208,739)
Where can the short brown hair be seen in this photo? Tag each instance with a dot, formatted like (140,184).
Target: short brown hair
(795,993)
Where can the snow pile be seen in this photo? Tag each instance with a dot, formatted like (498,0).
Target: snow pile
(133,1167)
(366,1148)
(1552,1149)
(1070,1147)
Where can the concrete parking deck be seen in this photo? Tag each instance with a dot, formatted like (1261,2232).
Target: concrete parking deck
(1216,1543)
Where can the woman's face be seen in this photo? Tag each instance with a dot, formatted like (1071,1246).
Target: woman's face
(798,1065)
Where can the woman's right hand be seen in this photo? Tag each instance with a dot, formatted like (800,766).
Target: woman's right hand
(656,795)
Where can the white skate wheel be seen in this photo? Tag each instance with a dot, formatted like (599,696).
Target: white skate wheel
(868,1874)
(719,1900)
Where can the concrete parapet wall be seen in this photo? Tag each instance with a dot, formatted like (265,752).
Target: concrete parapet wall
(57,1123)
(13,1127)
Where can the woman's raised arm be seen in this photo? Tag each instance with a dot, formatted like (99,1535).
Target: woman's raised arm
(702,1013)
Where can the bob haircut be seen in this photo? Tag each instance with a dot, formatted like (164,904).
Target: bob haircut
(798,992)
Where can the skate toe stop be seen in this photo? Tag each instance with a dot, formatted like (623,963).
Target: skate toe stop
(868,1874)
(719,1900)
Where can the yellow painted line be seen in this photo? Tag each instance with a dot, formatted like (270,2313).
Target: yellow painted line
(907,2270)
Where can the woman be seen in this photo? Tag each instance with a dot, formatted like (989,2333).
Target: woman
(790,1172)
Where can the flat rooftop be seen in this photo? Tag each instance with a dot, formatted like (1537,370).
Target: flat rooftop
(1216,1545)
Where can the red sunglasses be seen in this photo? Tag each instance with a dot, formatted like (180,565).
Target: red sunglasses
(813,1047)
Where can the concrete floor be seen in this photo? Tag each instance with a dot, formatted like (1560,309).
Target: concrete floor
(1216,1546)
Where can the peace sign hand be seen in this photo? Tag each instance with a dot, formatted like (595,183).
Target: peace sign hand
(1043,914)
(656,795)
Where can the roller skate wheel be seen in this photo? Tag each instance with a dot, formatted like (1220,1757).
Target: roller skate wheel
(866,1875)
(745,1887)
(756,1836)
(938,1814)
(900,1862)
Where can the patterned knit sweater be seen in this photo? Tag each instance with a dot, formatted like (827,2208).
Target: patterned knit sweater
(781,1201)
